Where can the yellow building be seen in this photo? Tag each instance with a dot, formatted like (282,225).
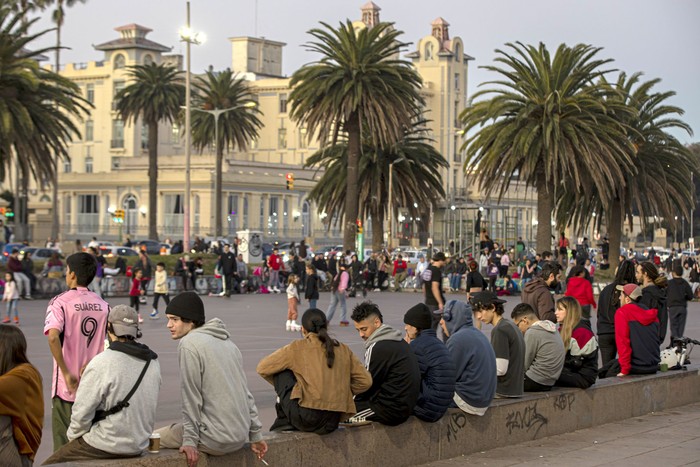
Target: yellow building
(108,167)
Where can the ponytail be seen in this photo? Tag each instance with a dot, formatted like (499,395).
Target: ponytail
(314,321)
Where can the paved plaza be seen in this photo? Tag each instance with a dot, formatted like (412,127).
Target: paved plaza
(256,323)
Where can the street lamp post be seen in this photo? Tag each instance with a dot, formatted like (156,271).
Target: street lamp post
(216,113)
(189,37)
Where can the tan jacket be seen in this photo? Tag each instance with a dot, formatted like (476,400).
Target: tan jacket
(319,387)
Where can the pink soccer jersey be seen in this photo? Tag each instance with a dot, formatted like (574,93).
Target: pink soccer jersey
(81,317)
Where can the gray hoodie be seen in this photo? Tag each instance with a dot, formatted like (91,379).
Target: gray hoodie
(544,353)
(219,411)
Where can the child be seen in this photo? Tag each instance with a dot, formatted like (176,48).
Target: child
(311,290)
(11,296)
(292,303)
(160,289)
(678,293)
(136,292)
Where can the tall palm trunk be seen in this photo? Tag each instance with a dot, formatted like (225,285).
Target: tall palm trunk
(219,188)
(614,232)
(545,205)
(352,126)
(377,228)
(152,180)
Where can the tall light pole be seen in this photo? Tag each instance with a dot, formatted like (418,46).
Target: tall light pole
(391,201)
(216,113)
(189,37)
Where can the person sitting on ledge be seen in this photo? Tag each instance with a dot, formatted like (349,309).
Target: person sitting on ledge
(581,361)
(314,378)
(544,349)
(473,357)
(394,369)
(437,370)
(636,336)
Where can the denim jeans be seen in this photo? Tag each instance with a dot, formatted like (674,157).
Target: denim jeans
(11,305)
(335,298)
(312,303)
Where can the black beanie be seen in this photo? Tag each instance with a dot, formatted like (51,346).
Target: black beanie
(187,305)
(419,316)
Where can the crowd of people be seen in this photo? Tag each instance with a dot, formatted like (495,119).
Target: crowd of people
(105,383)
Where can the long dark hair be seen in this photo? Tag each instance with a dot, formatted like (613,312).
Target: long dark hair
(626,274)
(652,272)
(314,321)
(13,348)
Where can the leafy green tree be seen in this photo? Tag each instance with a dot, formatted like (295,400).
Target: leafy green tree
(359,81)
(226,101)
(659,185)
(547,122)
(155,95)
(38,107)
(416,178)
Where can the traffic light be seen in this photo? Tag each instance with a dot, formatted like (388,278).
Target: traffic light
(118,216)
(9,213)
(360,229)
(290,181)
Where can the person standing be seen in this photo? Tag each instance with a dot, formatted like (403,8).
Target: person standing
(214,389)
(185,269)
(160,289)
(227,263)
(115,407)
(292,303)
(338,286)
(315,379)
(311,290)
(399,272)
(136,292)
(14,265)
(21,400)
(76,323)
(679,293)
(420,268)
(432,286)
(475,281)
(563,250)
(274,262)
(654,293)
(11,296)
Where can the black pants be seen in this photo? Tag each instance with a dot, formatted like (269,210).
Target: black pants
(586,312)
(156,298)
(663,324)
(290,414)
(227,284)
(134,302)
(608,348)
(571,379)
(677,315)
(533,386)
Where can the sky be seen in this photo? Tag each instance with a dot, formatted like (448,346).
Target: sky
(657,37)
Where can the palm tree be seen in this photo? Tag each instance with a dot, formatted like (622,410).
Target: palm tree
(358,81)
(547,122)
(416,165)
(58,17)
(38,107)
(660,186)
(155,95)
(224,97)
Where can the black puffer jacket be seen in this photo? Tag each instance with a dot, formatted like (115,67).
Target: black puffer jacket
(438,376)
(607,306)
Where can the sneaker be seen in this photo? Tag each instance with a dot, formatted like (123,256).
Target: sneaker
(344,324)
(6,320)
(296,327)
(289,325)
(17,321)
(28,297)
(140,319)
(377,290)
(154,315)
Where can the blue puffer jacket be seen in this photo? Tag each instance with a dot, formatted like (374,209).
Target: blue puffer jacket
(437,373)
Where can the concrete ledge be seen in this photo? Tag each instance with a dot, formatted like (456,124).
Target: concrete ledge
(508,421)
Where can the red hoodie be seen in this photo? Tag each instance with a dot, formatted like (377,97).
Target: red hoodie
(581,289)
(644,342)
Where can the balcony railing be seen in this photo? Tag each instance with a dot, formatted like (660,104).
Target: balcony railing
(117,144)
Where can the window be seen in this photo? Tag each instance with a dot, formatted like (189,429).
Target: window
(456,81)
(105,213)
(282,138)
(117,134)
(148,59)
(131,214)
(175,134)
(67,166)
(174,214)
(458,53)
(195,209)
(118,86)
(67,212)
(273,217)
(119,62)
(306,219)
(283,103)
(458,155)
(90,93)
(245,211)
(232,214)
(89,130)
(144,136)
(428,51)
(88,213)
(88,165)
(254,143)
(262,213)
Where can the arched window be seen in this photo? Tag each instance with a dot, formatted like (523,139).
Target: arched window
(147,59)
(428,51)
(306,219)
(131,214)
(119,61)
(458,53)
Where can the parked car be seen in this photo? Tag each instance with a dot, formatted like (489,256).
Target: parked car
(152,247)
(39,253)
(412,256)
(111,251)
(7,250)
